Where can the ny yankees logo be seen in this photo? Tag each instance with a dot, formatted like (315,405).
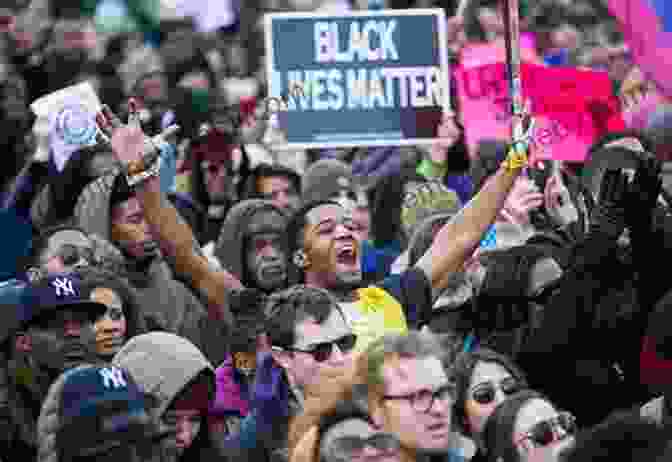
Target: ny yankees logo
(63,287)
(113,377)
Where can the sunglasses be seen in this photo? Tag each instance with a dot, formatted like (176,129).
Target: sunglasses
(71,254)
(546,431)
(348,447)
(323,351)
(486,394)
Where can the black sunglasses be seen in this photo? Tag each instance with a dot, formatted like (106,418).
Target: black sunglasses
(347,447)
(74,254)
(545,432)
(486,393)
(323,351)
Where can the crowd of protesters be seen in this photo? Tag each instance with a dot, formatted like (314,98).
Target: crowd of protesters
(211,298)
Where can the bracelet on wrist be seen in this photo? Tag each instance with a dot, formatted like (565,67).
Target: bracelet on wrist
(145,161)
(142,176)
(516,158)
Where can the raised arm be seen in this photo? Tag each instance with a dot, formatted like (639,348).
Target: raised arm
(456,240)
(128,143)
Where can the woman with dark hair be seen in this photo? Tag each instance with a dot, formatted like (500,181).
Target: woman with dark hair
(484,379)
(528,427)
(122,320)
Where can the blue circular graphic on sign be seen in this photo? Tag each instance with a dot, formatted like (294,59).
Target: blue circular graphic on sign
(76,125)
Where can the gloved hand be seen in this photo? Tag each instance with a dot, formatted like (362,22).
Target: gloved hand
(643,194)
(608,216)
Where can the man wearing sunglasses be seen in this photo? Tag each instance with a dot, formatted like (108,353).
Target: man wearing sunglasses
(411,396)
(309,337)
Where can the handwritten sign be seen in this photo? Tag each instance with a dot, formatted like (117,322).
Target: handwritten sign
(360,83)
(572,107)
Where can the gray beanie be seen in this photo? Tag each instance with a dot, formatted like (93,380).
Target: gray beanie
(325,179)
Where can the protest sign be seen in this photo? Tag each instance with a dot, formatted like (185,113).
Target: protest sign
(359,79)
(69,118)
(572,108)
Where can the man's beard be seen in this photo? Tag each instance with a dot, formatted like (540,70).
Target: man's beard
(269,283)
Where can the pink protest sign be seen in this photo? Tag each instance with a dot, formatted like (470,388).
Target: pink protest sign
(572,108)
(647,27)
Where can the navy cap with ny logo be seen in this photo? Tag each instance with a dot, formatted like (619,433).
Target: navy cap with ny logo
(54,293)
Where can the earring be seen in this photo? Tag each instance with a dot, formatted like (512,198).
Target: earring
(299,259)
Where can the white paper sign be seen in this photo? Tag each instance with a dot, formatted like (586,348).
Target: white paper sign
(70,114)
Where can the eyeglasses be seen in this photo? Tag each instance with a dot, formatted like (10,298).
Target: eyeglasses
(546,431)
(348,447)
(486,394)
(323,351)
(423,400)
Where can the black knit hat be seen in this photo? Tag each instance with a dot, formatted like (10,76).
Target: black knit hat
(325,179)
(498,431)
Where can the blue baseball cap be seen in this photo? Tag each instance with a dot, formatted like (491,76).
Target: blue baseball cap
(100,406)
(55,293)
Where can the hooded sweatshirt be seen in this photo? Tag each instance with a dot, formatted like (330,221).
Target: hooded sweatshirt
(51,420)
(230,250)
(166,303)
(162,364)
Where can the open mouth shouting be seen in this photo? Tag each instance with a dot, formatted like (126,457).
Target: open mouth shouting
(347,255)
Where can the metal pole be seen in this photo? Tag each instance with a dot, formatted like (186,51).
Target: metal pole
(514,73)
